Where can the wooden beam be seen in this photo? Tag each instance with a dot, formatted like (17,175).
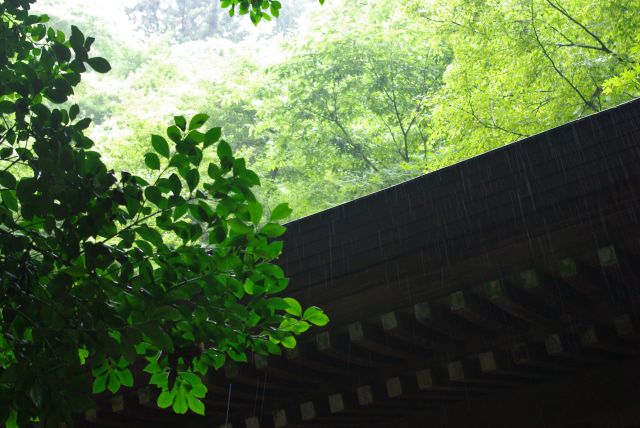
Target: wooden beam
(277,368)
(561,346)
(534,355)
(466,306)
(538,285)
(601,338)
(445,327)
(335,346)
(468,372)
(500,364)
(399,326)
(374,340)
(513,301)
(626,328)
(435,381)
(587,282)
(252,422)
(305,355)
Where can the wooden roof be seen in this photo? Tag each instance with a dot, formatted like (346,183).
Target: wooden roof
(500,291)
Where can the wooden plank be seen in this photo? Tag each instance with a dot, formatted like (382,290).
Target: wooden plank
(335,346)
(374,340)
(466,306)
(508,298)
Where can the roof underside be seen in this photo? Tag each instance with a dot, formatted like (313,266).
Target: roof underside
(501,291)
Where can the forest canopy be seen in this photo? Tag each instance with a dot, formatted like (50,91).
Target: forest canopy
(331,103)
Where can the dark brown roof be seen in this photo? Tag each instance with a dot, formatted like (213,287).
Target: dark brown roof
(510,278)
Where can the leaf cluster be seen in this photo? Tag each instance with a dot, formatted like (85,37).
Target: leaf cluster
(256,9)
(103,269)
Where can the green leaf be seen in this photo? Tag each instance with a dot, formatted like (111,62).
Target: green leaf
(12,420)
(289,342)
(179,211)
(62,52)
(146,248)
(249,286)
(294,306)
(273,230)
(195,405)
(192,178)
(180,403)
(180,122)
(212,136)
(255,212)
(158,336)
(83,124)
(239,357)
(152,161)
(6,107)
(173,132)
(175,183)
(191,378)
(218,360)
(114,384)
(125,377)
(224,151)
(149,234)
(197,121)
(250,177)
(165,399)
(214,171)
(7,180)
(160,379)
(280,212)
(199,390)
(99,64)
(315,316)
(160,145)
(179,161)
(153,194)
(9,199)
(100,383)
(82,355)
(5,152)
(238,226)
(77,38)
(74,111)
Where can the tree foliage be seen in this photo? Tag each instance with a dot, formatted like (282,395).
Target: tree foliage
(183,20)
(256,9)
(368,94)
(100,269)
(196,19)
(522,66)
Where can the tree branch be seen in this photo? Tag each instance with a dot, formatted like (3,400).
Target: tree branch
(555,67)
(564,12)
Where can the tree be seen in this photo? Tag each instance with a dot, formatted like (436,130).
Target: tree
(627,82)
(188,20)
(346,113)
(183,20)
(256,9)
(198,19)
(522,66)
(100,269)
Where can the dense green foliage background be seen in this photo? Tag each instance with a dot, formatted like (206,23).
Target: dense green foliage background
(331,103)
